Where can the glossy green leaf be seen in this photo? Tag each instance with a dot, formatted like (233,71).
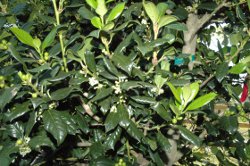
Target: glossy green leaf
(151,11)
(31,123)
(177,26)
(194,90)
(123,62)
(101,8)
(163,142)
(162,111)
(96,22)
(18,110)
(110,66)
(102,93)
(112,121)
(55,125)
(108,26)
(239,68)
(81,121)
(189,136)
(86,13)
(175,92)
(23,36)
(165,20)
(61,93)
(15,130)
(144,99)
(134,132)
(41,140)
(112,139)
(96,150)
(92,3)
(175,109)
(49,38)
(221,71)
(201,101)
(162,8)
(186,94)
(229,123)
(7,95)
(115,12)
(90,61)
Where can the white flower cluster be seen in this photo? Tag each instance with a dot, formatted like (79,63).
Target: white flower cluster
(117,87)
(24,148)
(156,90)
(95,83)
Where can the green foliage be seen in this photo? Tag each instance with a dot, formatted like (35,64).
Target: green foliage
(78,84)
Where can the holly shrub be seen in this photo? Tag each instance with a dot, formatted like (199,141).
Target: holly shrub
(120,82)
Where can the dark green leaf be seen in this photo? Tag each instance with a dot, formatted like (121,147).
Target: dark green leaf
(13,52)
(162,111)
(55,125)
(163,142)
(90,61)
(230,124)
(110,142)
(134,132)
(41,140)
(177,26)
(61,93)
(49,38)
(7,95)
(96,150)
(221,71)
(208,6)
(144,99)
(15,130)
(85,13)
(123,62)
(189,136)
(30,124)
(17,111)
(102,93)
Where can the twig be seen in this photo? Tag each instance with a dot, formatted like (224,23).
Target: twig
(89,111)
(207,80)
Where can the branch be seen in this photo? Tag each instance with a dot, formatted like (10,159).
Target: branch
(89,111)
(207,17)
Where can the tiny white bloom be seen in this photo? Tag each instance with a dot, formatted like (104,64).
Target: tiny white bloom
(113,109)
(93,81)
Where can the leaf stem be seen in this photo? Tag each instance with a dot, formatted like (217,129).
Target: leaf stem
(128,149)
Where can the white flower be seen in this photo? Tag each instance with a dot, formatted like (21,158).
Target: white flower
(144,21)
(23,150)
(93,81)
(113,109)
(117,87)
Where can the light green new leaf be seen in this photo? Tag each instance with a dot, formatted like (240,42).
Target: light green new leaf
(37,43)
(194,90)
(237,69)
(175,92)
(175,109)
(165,20)
(201,101)
(116,12)
(101,8)
(162,7)
(151,11)
(96,22)
(23,36)
(186,93)
(92,3)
